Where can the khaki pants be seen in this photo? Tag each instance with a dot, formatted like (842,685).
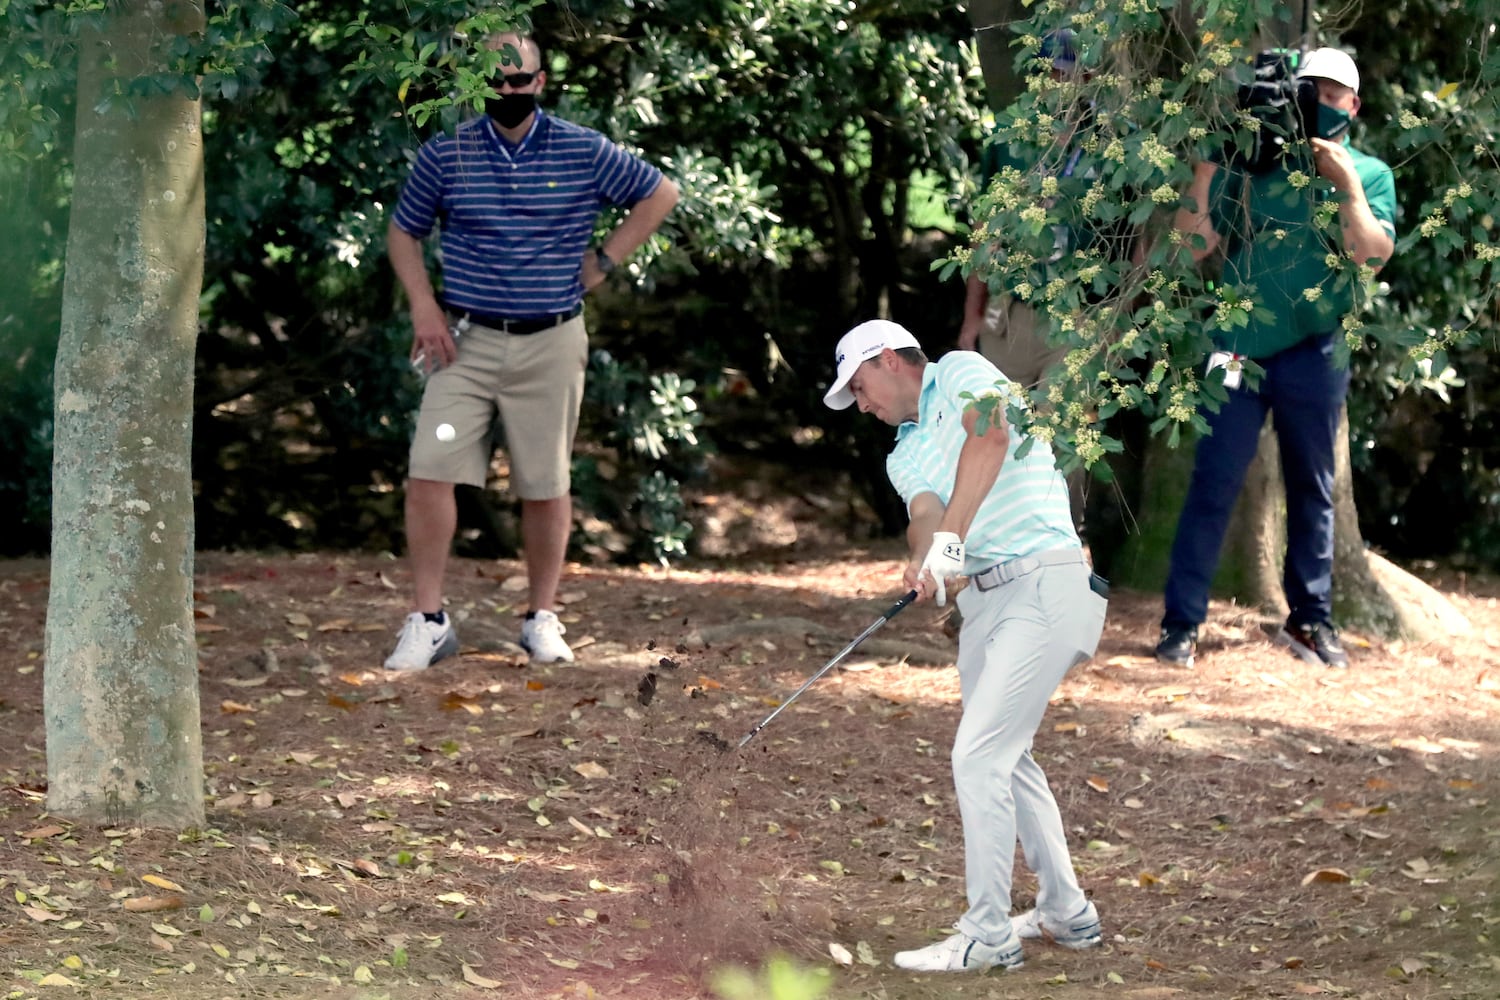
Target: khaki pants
(533,381)
(1010,341)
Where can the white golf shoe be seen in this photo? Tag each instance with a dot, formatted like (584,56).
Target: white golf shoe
(961,953)
(542,637)
(1082,931)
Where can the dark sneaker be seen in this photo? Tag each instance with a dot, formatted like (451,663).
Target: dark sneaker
(1177,646)
(1317,643)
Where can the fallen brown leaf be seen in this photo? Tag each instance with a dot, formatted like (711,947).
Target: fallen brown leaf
(150,904)
(40,915)
(56,979)
(1170,692)
(453,701)
(162,883)
(1326,875)
(475,979)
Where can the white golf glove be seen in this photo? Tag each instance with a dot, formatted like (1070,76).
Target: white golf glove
(945,560)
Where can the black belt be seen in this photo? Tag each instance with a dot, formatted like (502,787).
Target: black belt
(517,324)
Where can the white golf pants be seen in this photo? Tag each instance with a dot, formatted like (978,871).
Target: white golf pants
(1017,642)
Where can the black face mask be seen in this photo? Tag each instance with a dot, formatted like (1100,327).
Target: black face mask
(510,110)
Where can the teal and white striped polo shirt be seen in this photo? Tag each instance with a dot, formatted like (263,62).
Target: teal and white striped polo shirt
(1027,509)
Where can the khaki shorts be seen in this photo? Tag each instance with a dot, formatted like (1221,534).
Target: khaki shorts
(533,381)
(1010,341)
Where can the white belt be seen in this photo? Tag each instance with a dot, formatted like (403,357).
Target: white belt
(1003,573)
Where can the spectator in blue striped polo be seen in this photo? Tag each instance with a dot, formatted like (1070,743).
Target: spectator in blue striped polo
(1032,610)
(516,194)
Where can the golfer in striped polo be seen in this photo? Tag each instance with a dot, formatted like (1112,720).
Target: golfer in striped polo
(516,194)
(1032,610)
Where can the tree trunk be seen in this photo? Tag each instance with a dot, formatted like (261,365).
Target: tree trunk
(1250,567)
(121,682)
(1002,84)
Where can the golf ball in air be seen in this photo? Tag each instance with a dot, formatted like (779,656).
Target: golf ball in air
(445,432)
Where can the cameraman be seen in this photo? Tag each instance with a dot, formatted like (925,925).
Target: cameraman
(1272,242)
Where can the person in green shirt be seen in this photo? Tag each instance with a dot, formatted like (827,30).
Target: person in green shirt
(1298,271)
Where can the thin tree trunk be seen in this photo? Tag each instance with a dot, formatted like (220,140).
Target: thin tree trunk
(1255,546)
(1002,83)
(121,682)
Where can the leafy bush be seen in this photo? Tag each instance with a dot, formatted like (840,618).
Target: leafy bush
(641,429)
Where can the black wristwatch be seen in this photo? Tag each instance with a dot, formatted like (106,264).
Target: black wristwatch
(605,261)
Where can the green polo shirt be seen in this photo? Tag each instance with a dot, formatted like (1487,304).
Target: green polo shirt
(1273,244)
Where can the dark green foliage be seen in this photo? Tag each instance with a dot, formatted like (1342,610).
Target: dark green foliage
(31,227)
(1137,332)
(642,434)
(808,144)
(1423,434)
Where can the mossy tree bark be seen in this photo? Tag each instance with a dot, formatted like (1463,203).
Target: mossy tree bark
(121,682)
(1370,595)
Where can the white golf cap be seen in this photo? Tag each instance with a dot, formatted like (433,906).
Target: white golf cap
(858,346)
(1331,64)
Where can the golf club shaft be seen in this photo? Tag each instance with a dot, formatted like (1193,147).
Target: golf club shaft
(911,595)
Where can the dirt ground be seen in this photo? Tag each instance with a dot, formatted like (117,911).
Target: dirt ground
(1253,828)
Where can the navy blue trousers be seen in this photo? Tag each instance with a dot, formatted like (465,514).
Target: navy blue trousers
(1304,392)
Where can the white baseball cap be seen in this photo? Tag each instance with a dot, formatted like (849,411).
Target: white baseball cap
(1331,64)
(858,346)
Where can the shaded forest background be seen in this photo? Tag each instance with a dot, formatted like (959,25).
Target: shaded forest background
(828,156)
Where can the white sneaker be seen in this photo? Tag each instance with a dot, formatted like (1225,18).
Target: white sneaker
(422,643)
(542,637)
(961,953)
(1081,932)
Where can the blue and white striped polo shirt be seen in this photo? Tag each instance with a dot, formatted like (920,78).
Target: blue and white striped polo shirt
(516,220)
(1027,509)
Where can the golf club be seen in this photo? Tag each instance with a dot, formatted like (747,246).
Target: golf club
(911,595)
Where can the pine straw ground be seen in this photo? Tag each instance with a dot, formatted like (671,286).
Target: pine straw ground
(1254,828)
